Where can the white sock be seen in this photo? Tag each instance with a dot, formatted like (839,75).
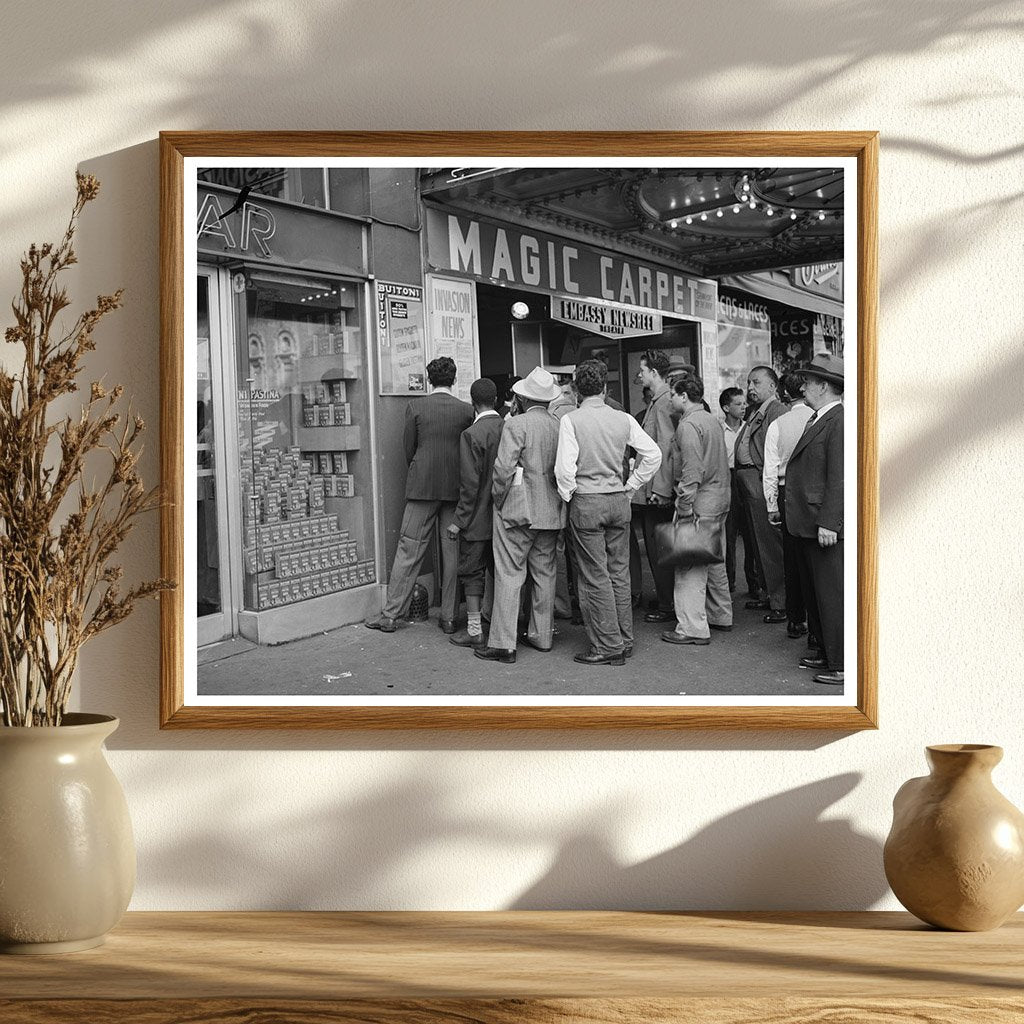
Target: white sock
(474,628)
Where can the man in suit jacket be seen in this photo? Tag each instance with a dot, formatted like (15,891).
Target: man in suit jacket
(433,426)
(658,422)
(814,514)
(696,474)
(528,515)
(471,525)
(762,389)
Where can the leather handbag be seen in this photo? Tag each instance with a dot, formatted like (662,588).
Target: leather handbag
(688,542)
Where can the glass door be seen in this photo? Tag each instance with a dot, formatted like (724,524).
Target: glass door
(213,576)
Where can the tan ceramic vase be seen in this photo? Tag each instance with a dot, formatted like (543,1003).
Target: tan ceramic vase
(955,855)
(67,856)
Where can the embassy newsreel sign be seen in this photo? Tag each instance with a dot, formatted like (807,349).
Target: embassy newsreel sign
(510,255)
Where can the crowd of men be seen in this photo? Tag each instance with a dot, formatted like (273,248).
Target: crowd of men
(565,473)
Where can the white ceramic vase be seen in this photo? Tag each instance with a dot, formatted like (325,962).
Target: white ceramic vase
(67,854)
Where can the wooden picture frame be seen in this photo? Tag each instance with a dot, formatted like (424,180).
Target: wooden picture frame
(860,149)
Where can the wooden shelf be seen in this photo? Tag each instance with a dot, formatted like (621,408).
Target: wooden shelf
(550,967)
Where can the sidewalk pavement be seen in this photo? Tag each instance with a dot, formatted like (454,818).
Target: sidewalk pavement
(754,659)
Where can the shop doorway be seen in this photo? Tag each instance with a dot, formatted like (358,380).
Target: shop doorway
(213,563)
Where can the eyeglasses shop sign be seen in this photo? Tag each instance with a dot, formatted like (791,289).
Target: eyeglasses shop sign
(509,255)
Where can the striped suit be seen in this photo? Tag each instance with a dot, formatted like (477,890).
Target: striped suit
(527,518)
(433,427)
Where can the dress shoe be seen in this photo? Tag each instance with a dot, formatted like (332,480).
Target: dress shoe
(466,639)
(670,636)
(757,606)
(532,642)
(383,623)
(659,616)
(721,627)
(775,616)
(495,654)
(835,678)
(814,661)
(795,630)
(447,625)
(592,657)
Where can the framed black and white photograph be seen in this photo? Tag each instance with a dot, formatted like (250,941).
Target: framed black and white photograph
(514,430)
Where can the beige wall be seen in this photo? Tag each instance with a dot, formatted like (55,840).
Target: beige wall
(628,820)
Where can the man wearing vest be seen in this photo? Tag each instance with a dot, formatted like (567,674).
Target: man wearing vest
(814,514)
(592,442)
(762,387)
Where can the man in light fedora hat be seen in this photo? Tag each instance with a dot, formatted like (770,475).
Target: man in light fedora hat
(528,515)
(814,514)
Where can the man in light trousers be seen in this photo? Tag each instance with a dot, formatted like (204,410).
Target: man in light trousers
(528,516)
(697,473)
(592,442)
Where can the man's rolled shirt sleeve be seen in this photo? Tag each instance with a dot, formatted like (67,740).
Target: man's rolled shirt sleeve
(648,456)
(770,474)
(567,457)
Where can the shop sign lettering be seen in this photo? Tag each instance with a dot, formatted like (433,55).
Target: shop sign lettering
(819,279)
(509,255)
(255,224)
(611,321)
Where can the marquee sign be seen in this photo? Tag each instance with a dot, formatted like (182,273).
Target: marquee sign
(610,321)
(507,254)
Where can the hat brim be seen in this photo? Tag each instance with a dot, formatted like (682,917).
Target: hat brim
(536,396)
(832,378)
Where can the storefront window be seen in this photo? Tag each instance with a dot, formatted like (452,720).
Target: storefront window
(304,443)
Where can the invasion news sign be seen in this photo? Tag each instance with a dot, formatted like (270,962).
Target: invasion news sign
(611,321)
(509,255)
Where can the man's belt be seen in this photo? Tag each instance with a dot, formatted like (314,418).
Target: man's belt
(749,465)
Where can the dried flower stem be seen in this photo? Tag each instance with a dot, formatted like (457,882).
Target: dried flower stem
(58,588)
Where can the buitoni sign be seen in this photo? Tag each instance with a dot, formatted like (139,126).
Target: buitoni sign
(510,255)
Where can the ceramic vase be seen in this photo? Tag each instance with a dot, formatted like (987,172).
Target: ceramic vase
(955,854)
(67,855)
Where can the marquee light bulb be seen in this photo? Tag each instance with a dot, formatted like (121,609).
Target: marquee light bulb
(792,216)
(752,204)
(735,209)
(703,216)
(689,220)
(718,213)
(769,211)
(821,216)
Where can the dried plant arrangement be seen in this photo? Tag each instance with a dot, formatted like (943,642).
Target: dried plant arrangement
(58,531)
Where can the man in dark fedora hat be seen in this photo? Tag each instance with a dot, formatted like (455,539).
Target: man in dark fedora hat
(814,514)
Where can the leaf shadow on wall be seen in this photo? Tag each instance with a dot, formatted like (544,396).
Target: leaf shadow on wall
(778,853)
(405,843)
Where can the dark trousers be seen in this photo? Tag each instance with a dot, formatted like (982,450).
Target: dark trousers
(419,521)
(767,537)
(636,569)
(737,523)
(664,579)
(821,576)
(796,610)
(599,526)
